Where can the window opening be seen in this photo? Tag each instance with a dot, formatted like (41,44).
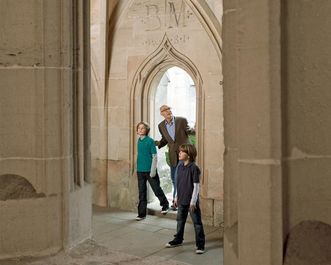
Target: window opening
(176,89)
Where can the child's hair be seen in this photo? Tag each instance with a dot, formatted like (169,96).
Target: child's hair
(145,125)
(190,150)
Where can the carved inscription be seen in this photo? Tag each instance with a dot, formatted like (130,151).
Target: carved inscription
(176,39)
(155,16)
(153,20)
(176,17)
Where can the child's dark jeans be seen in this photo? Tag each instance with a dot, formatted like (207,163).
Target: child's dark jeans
(143,177)
(182,213)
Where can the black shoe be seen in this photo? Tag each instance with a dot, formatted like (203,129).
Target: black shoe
(200,250)
(173,208)
(173,243)
(165,209)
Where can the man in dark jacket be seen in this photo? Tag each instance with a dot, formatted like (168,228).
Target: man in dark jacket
(174,132)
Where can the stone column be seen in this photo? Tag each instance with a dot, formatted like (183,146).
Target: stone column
(253,173)
(43,136)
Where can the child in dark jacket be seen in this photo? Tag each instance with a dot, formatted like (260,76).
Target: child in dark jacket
(187,197)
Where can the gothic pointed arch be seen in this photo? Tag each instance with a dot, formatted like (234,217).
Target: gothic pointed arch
(200,8)
(148,75)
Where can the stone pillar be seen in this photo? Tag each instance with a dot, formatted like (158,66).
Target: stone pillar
(44,116)
(99,55)
(307,94)
(253,174)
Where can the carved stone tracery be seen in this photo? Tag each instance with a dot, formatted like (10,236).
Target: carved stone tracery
(144,83)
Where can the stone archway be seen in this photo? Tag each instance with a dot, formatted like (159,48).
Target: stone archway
(138,52)
(146,77)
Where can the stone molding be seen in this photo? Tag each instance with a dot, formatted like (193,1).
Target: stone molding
(145,78)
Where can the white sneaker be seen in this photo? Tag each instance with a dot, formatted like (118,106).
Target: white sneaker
(138,218)
(165,210)
(200,251)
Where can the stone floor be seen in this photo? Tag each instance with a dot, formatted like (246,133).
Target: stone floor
(119,239)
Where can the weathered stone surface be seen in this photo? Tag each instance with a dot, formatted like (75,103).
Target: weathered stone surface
(309,243)
(218,213)
(14,187)
(90,253)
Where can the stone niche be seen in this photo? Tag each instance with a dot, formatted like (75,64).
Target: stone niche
(14,187)
(309,242)
(29,225)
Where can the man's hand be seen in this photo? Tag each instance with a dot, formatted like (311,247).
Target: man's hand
(175,203)
(192,207)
